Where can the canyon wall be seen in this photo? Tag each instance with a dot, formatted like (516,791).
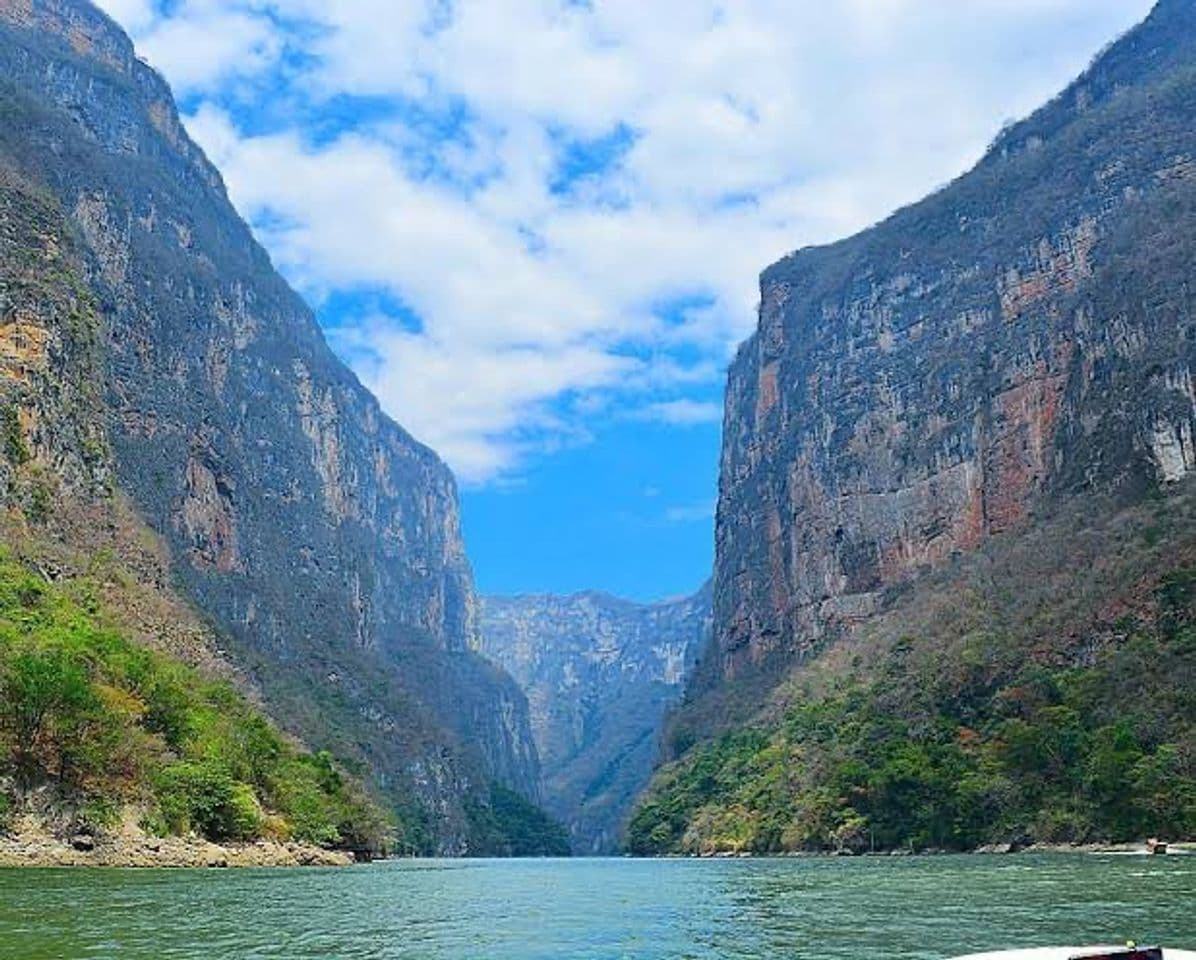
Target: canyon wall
(319,537)
(599,673)
(954,581)
(1020,338)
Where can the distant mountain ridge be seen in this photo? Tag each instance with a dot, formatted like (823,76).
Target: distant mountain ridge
(315,534)
(599,673)
(1013,350)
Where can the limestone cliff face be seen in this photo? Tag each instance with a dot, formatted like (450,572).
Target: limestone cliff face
(52,415)
(599,674)
(1023,337)
(312,530)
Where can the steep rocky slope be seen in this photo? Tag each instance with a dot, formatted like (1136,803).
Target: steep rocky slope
(120,720)
(318,537)
(1020,337)
(599,674)
(982,362)
(1039,689)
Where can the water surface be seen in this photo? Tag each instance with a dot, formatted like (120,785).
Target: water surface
(868,909)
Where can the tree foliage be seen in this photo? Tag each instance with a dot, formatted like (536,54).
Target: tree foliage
(987,748)
(510,826)
(107,722)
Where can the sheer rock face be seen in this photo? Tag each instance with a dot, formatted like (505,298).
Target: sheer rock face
(53,440)
(599,674)
(307,525)
(1024,336)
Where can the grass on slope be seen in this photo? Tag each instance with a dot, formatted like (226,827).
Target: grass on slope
(104,723)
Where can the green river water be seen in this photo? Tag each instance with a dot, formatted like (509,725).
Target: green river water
(868,909)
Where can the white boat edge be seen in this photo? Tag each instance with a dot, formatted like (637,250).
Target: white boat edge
(1064,953)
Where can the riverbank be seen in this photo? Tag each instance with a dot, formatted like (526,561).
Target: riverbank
(1141,848)
(30,845)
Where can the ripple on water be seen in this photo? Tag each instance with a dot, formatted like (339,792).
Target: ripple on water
(881,909)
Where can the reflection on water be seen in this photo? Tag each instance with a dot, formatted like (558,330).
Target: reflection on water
(868,909)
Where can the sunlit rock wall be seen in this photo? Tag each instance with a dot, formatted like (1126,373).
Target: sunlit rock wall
(1022,336)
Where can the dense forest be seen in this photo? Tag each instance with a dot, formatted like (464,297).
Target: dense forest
(509,826)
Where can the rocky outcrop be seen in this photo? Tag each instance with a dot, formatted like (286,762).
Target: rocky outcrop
(1020,339)
(52,413)
(29,844)
(313,532)
(599,674)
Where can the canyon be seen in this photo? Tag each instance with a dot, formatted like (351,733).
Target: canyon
(151,352)
(954,585)
(1004,365)
(600,674)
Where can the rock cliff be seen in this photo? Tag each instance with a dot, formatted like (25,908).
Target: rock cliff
(599,674)
(1021,338)
(316,535)
(954,584)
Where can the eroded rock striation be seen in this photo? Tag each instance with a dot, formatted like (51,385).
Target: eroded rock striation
(954,581)
(1022,337)
(599,673)
(317,536)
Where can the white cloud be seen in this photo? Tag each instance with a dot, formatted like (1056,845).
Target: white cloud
(752,128)
(690,513)
(133,15)
(207,45)
(202,43)
(481,406)
(683,412)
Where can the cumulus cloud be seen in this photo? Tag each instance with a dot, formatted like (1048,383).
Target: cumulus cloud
(133,15)
(208,46)
(202,44)
(484,406)
(566,204)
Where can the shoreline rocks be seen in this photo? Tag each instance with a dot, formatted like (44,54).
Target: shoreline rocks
(1140,848)
(38,848)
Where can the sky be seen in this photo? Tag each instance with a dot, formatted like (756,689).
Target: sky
(534,227)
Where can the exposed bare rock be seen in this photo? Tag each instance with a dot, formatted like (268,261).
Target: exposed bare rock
(599,674)
(146,342)
(1021,338)
(31,844)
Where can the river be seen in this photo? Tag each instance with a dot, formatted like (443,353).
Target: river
(925,908)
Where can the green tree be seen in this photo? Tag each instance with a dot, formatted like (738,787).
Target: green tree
(204,798)
(46,704)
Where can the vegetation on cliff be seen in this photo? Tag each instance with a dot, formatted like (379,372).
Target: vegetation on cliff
(149,351)
(101,724)
(988,745)
(510,826)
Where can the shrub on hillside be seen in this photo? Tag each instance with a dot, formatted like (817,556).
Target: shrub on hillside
(107,722)
(922,756)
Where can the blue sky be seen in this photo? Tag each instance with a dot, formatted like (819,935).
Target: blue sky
(534,227)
